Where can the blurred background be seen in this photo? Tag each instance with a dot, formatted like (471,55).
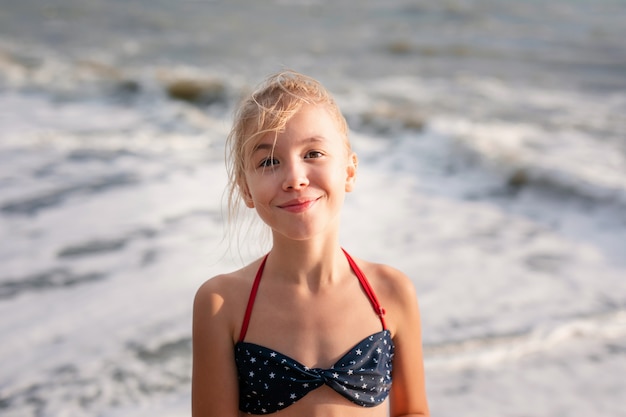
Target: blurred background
(492,141)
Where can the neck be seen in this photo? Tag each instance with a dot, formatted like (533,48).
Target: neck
(314,262)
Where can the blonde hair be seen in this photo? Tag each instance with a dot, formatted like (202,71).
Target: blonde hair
(267,111)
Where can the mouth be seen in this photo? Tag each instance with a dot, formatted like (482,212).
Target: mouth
(298,205)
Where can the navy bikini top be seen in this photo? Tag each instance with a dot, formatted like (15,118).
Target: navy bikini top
(270,381)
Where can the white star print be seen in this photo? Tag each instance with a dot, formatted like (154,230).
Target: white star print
(305,385)
(379,350)
(358,352)
(350,371)
(273,354)
(252,360)
(335,375)
(292,396)
(251,374)
(272,375)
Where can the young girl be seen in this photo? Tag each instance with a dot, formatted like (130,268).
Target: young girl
(306,330)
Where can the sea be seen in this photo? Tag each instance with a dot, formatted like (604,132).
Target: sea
(491,136)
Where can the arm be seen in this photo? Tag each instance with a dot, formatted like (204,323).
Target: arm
(214,389)
(408,391)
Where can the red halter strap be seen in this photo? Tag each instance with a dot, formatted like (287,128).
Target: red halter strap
(367,288)
(255,289)
(357,271)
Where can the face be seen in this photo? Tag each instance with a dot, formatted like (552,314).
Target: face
(297,183)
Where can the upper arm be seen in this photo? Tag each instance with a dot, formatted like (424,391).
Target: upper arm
(214,389)
(408,391)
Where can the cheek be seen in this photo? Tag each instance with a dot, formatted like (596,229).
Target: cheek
(338,180)
(258,189)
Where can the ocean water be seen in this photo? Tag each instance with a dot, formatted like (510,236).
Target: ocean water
(492,141)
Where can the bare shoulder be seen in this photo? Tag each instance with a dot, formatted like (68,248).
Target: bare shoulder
(220,287)
(397,295)
(222,298)
(395,291)
(218,309)
(387,280)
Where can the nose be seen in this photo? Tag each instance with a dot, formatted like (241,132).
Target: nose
(296,176)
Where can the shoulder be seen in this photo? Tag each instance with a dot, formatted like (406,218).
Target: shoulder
(398,297)
(219,289)
(395,292)
(221,300)
(228,286)
(388,281)
(218,309)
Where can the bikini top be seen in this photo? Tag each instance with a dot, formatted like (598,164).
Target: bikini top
(270,381)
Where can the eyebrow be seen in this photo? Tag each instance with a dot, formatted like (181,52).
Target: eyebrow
(262,147)
(272,145)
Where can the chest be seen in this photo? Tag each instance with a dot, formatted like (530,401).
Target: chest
(314,329)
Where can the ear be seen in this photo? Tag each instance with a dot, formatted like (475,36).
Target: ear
(245,194)
(353,162)
(249,202)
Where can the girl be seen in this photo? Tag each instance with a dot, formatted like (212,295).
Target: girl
(306,330)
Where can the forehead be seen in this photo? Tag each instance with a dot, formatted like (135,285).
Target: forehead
(312,121)
(310,124)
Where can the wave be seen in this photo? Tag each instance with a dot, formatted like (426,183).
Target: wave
(548,138)
(567,163)
(543,139)
(490,351)
(56,278)
(94,389)
(87,79)
(29,206)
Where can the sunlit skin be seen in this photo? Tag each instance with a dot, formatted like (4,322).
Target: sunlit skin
(298,184)
(310,306)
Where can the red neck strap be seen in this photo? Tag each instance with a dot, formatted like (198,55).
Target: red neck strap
(357,271)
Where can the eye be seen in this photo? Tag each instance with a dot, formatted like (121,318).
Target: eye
(268,162)
(313,154)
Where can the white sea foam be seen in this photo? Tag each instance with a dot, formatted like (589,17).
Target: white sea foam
(86,276)
(501,198)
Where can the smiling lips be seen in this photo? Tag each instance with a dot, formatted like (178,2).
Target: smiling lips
(298,205)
